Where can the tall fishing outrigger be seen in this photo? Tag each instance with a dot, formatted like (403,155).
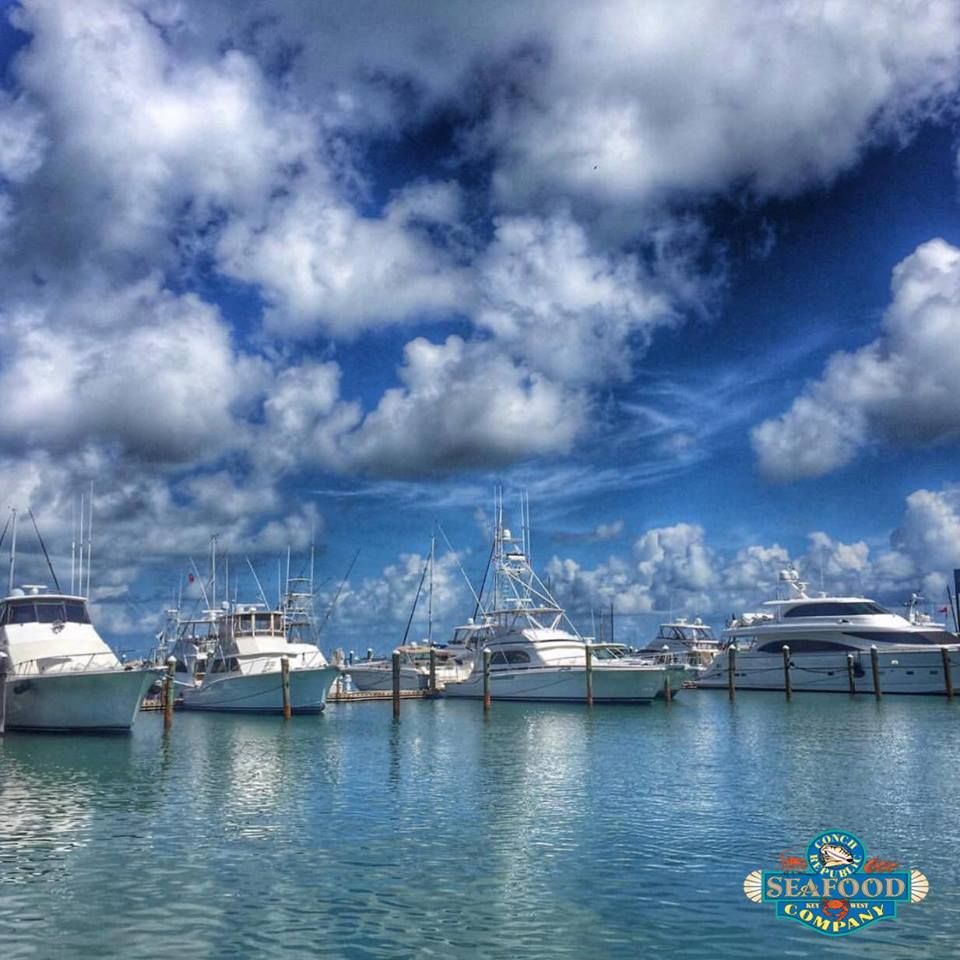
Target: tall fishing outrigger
(536,652)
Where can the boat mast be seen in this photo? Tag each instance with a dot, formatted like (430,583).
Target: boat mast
(13,548)
(433,546)
(73,550)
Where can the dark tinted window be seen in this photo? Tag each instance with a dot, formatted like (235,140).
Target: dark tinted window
(858,609)
(800,645)
(938,637)
(22,613)
(498,659)
(76,612)
(49,612)
(517,656)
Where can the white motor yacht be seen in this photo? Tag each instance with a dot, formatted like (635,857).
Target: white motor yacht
(822,632)
(60,674)
(243,673)
(536,653)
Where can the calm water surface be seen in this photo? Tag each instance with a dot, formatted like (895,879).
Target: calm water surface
(539,832)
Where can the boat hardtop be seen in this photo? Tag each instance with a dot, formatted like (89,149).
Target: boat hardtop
(47,632)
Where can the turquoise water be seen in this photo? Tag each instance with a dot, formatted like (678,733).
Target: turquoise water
(541,831)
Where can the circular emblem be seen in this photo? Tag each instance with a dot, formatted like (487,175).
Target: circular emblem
(835,853)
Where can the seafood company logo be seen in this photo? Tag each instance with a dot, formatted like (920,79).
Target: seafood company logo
(833,888)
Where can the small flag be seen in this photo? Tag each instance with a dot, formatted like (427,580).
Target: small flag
(189,578)
(943,609)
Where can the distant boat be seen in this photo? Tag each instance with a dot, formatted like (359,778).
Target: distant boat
(536,653)
(822,632)
(692,643)
(377,674)
(61,675)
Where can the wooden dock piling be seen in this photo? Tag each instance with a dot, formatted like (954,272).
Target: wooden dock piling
(851,678)
(433,670)
(168,691)
(731,672)
(395,663)
(875,666)
(588,650)
(285,686)
(486,680)
(947,679)
(786,672)
(667,691)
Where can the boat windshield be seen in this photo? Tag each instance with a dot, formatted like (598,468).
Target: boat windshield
(44,611)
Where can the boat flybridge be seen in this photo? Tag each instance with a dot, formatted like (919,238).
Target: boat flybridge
(60,674)
(822,632)
(536,652)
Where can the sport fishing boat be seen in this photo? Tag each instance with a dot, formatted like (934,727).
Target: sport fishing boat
(229,659)
(681,641)
(243,674)
(536,652)
(60,674)
(821,633)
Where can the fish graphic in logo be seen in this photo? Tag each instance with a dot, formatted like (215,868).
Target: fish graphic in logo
(834,889)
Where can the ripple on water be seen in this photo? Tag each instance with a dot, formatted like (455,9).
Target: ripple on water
(537,832)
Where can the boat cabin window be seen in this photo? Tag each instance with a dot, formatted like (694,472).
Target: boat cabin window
(859,608)
(606,653)
(517,656)
(264,622)
(44,611)
(938,637)
(498,659)
(800,645)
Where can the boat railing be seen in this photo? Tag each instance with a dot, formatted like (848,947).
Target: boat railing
(66,663)
(270,663)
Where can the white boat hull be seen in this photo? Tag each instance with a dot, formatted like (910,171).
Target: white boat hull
(261,692)
(92,700)
(371,677)
(900,671)
(611,684)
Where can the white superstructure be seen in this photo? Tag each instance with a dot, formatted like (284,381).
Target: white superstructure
(681,641)
(822,632)
(60,674)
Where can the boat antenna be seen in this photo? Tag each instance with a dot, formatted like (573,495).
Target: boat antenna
(90,540)
(13,546)
(73,549)
(263,596)
(486,573)
(3,535)
(413,609)
(46,555)
(336,596)
(80,546)
(473,592)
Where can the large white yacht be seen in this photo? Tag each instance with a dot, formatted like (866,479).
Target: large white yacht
(60,674)
(821,632)
(536,653)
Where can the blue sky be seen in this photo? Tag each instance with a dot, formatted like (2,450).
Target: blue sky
(690,274)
